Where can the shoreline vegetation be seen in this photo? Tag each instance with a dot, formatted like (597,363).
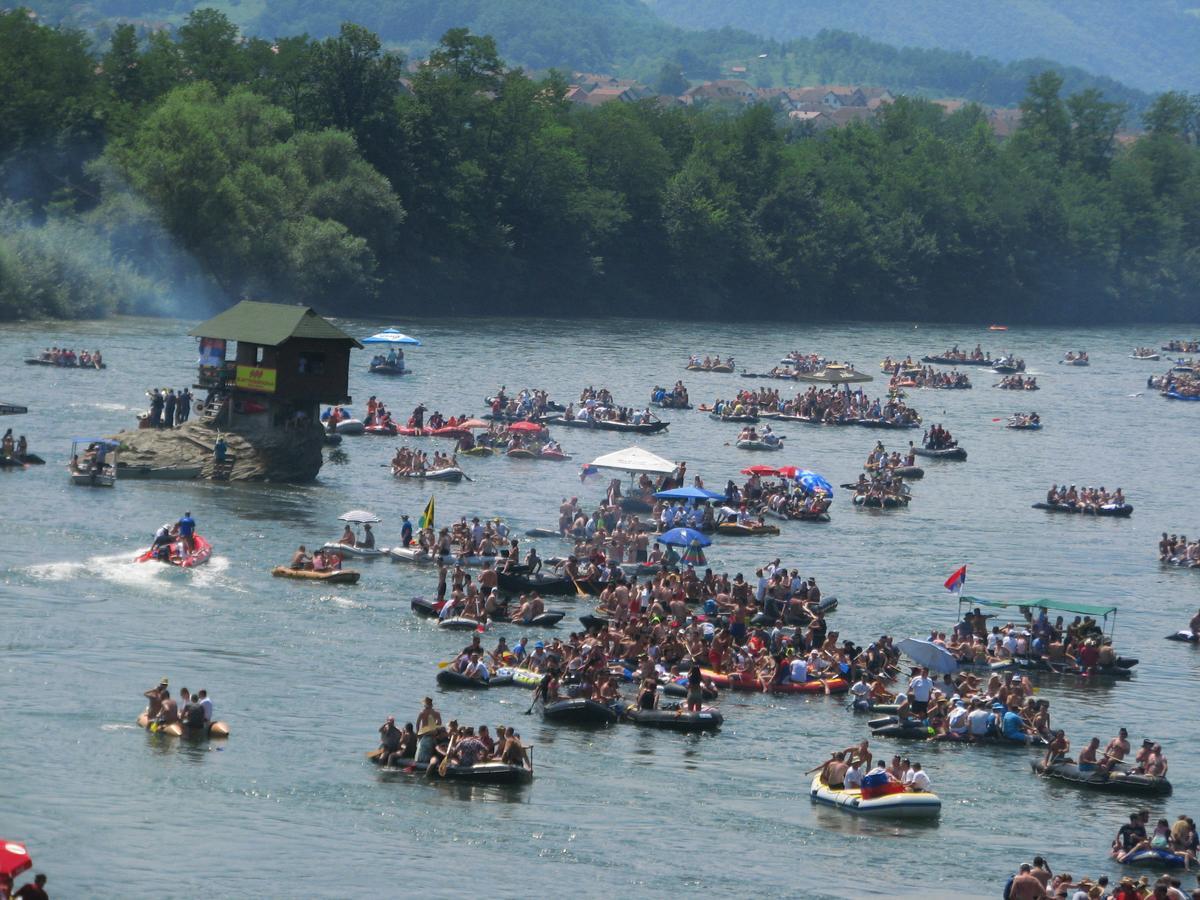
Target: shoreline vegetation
(180,173)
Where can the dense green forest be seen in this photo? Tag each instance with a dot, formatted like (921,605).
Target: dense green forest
(617,36)
(1150,44)
(199,167)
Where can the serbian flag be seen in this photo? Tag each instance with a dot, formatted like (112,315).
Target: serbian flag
(586,471)
(427,516)
(957,580)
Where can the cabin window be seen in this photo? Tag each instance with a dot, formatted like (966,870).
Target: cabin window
(312,363)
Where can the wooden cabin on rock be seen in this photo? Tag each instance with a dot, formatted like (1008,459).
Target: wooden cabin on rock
(285,363)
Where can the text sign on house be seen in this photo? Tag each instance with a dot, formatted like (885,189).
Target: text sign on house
(252,378)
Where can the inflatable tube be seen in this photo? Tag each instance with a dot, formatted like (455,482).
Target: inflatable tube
(481,773)
(423,607)
(448,678)
(760,445)
(579,711)
(1119,512)
(707,719)
(1150,856)
(899,803)
(740,681)
(520,453)
(953,453)
(1120,780)
(460,623)
(350,426)
(179,730)
(341,576)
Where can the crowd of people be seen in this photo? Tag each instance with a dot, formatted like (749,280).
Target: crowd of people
(709,362)
(1179,382)
(1177,550)
(1088,498)
(191,711)
(168,407)
(1177,346)
(955,355)
(64,356)
(829,406)
(1036,881)
(394,358)
(1024,420)
(1178,838)
(881,488)
(851,768)
(527,404)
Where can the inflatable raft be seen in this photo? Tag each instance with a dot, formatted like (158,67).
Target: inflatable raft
(1152,856)
(1121,779)
(738,530)
(200,554)
(760,445)
(1119,512)
(707,719)
(953,453)
(179,730)
(894,801)
(741,681)
(492,772)
(579,711)
(339,576)
(448,678)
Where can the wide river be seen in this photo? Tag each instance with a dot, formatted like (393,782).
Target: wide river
(306,673)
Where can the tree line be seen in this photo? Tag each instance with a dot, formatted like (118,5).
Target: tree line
(200,166)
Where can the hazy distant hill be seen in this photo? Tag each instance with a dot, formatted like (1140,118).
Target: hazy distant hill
(624,37)
(1150,44)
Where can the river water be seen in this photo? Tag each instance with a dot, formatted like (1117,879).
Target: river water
(305,673)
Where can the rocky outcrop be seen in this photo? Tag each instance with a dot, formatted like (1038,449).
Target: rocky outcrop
(254,454)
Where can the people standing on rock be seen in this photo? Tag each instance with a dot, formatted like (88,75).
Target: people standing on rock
(169,402)
(156,407)
(184,410)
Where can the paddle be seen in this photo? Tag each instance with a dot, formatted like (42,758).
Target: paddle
(580,592)
(821,766)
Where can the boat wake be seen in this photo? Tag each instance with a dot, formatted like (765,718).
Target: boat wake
(123,568)
(344,602)
(120,726)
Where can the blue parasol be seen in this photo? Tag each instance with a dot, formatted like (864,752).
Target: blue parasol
(683,537)
(814,482)
(391,336)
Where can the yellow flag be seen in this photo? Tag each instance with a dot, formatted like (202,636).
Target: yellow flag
(427,516)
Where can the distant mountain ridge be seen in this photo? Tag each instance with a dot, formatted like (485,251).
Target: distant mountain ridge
(1153,45)
(625,37)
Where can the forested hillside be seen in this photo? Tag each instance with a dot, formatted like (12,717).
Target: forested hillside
(198,167)
(1151,44)
(616,36)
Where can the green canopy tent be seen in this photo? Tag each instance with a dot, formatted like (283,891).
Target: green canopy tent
(1026,607)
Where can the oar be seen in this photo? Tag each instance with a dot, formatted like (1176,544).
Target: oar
(580,592)
(821,766)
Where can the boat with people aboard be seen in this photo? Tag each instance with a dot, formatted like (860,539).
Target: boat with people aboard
(799,495)
(339,420)
(889,798)
(815,406)
(328,576)
(938,443)
(391,362)
(449,752)
(1017,383)
(1030,421)
(65,358)
(749,438)
(93,462)
(880,461)
(882,490)
(710,364)
(1075,358)
(179,552)
(409,463)
(1177,550)
(1147,353)
(1089,501)
(1119,778)
(675,398)
(189,717)
(956,357)
(1180,346)
(1008,365)
(927,377)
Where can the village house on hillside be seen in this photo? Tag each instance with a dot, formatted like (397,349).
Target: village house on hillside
(588,89)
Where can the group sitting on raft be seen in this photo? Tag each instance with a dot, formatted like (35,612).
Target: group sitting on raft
(1176,384)
(394,358)
(322,560)
(885,487)
(1176,346)
(16,450)
(709,363)
(676,397)
(766,436)
(851,768)
(379,415)
(878,460)
(462,540)
(1087,498)
(189,711)
(1149,760)
(1177,550)
(938,438)
(413,462)
(1024,420)
(62,356)
(594,410)
(786,498)
(527,404)
(956,355)
(1077,647)
(929,377)
(827,406)
(798,363)
(1179,839)
(1018,383)
(1080,358)
(429,744)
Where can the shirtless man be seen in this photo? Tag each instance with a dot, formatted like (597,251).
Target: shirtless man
(1117,750)
(1025,886)
(155,697)
(833,773)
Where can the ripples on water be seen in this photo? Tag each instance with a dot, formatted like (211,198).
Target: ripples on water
(305,673)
